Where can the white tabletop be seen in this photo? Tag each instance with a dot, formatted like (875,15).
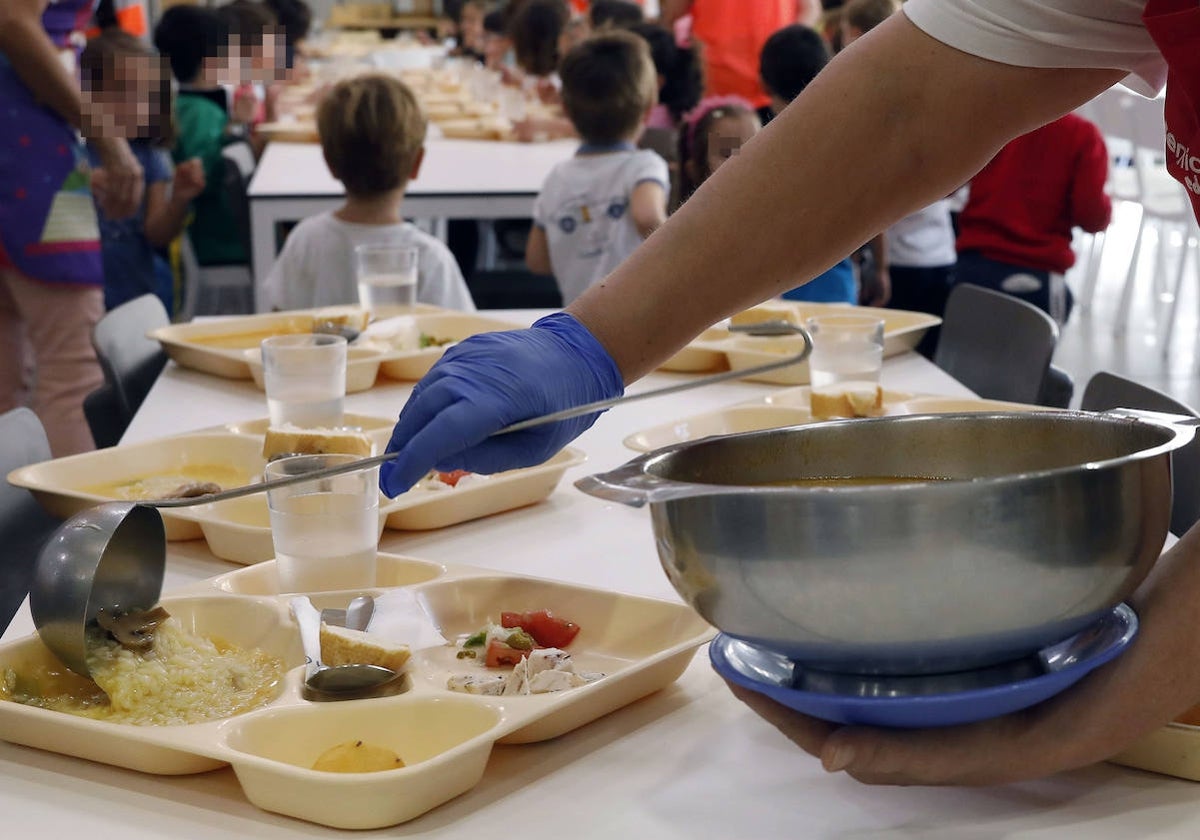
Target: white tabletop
(689,762)
(450,168)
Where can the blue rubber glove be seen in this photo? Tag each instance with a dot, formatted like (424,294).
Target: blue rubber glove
(493,380)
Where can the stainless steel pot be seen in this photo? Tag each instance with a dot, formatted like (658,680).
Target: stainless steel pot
(1045,521)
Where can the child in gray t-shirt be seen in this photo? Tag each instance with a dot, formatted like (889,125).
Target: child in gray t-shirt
(595,209)
(372,135)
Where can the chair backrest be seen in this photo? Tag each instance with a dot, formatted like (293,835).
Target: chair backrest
(1107,390)
(998,346)
(238,170)
(131,361)
(24,526)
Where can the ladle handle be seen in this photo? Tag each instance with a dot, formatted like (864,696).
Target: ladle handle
(777,328)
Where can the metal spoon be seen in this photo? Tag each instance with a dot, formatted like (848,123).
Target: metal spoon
(71,587)
(768,328)
(324,683)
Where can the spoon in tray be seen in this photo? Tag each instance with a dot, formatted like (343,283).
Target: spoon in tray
(111,557)
(767,328)
(323,682)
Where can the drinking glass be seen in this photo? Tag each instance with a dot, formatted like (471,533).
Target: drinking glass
(326,532)
(844,368)
(387,275)
(305,378)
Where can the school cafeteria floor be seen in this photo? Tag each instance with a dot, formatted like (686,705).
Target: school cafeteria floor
(1088,343)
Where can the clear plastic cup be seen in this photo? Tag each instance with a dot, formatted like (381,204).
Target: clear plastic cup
(326,532)
(305,378)
(387,275)
(845,365)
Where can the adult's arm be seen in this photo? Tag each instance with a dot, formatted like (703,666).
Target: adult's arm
(895,122)
(1091,208)
(33,56)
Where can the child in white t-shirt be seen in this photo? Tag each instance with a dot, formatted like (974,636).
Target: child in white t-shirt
(372,135)
(596,208)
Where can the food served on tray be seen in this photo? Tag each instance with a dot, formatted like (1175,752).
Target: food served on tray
(357,757)
(439,481)
(344,646)
(531,644)
(403,334)
(288,439)
(160,675)
(862,401)
(185,482)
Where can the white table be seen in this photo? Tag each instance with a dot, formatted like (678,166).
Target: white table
(459,179)
(689,762)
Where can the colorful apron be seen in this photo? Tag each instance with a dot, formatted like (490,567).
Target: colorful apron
(48,226)
(1175,27)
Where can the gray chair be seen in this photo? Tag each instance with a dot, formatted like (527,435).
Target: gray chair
(24,526)
(1058,387)
(998,346)
(106,416)
(131,361)
(1107,390)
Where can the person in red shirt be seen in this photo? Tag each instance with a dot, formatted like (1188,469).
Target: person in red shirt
(733,33)
(1015,230)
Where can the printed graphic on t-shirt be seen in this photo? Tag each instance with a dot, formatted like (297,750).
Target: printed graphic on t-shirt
(590,225)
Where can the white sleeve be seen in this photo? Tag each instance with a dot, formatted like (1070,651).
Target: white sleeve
(650,166)
(288,284)
(1048,33)
(441,280)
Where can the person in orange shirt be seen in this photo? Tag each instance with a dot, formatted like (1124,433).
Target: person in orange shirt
(128,15)
(733,33)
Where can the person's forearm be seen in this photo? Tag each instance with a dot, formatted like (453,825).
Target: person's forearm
(165,225)
(34,58)
(895,122)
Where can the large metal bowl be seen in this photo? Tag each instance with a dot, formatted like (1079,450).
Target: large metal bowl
(1047,521)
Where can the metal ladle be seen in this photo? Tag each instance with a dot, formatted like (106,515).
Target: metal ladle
(112,556)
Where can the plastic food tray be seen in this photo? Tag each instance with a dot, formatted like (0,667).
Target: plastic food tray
(790,407)
(1173,750)
(188,344)
(444,738)
(717,348)
(239,530)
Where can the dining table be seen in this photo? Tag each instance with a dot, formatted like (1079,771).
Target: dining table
(458,179)
(689,761)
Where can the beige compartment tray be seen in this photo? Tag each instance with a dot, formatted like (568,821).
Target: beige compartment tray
(717,348)
(640,644)
(68,485)
(219,346)
(411,365)
(1173,750)
(790,407)
(239,530)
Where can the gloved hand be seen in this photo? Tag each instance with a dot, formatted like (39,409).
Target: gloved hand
(493,380)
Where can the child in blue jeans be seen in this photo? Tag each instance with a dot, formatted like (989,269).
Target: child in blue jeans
(127,77)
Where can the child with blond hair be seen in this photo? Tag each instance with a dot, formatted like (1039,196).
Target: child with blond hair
(373,139)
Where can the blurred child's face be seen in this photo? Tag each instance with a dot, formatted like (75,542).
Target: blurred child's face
(726,136)
(495,50)
(470,28)
(573,34)
(128,98)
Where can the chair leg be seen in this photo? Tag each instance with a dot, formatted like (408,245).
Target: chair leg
(1121,322)
(1091,275)
(1162,292)
(1177,291)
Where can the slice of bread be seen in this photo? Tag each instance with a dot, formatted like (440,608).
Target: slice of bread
(344,316)
(858,402)
(343,646)
(292,440)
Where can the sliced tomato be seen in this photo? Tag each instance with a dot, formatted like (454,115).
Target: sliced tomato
(452,478)
(500,655)
(547,629)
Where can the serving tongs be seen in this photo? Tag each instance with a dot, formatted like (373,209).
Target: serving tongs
(766,328)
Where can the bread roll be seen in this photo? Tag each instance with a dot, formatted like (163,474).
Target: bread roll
(292,440)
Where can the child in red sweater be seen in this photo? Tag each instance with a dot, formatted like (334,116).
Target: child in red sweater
(1015,230)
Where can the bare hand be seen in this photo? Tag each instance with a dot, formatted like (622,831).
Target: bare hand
(118,182)
(877,289)
(1146,687)
(189,180)
(245,104)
